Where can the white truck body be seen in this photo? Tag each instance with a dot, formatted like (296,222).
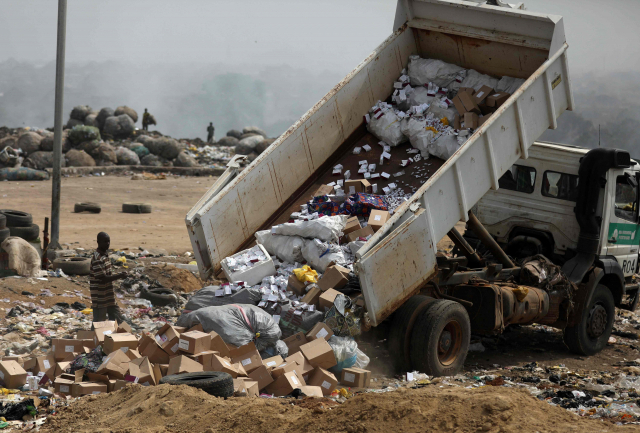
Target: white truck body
(401,256)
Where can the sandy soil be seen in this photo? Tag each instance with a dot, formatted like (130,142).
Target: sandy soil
(164,228)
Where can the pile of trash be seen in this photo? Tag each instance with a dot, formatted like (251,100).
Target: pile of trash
(436,106)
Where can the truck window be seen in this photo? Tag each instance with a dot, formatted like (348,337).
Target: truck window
(626,201)
(560,185)
(518,178)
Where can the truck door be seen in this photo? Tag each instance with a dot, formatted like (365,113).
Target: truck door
(622,232)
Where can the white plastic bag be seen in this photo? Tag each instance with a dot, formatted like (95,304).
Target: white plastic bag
(445,146)
(23,257)
(423,71)
(440,110)
(386,126)
(327,228)
(414,128)
(476,80)
(320,254)
(286,248)
(509,84)
(418,96)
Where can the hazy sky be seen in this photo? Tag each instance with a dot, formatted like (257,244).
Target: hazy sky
(330,35)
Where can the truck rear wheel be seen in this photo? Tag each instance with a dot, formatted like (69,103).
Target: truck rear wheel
(590,336)
(400,333)
(440,339)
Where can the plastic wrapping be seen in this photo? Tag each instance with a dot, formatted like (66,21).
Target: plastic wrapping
(476,80)
(419,137)
(229,322)
(345,349)
(327,228)
(23,257)
(280,348)
(294,320)
(286,248)
(321,254)
(509,84)
(362,360)
(386,127)
(206,297)
(355,246)
(439,111)
(418,96)
(445,146)
(423,71)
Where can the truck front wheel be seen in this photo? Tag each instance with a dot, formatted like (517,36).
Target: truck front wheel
(440,339)
(590,336)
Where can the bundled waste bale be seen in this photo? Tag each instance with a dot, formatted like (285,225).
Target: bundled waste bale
(248,145)
(79,112)
(128,111)
(384,123)
(425,71)
(119,126)
(40,160)
(127,157)
(254,130)
(140,150)
(79,158)
(82,133)
(228,141)
(103,115)
(29,142)
(105,155)
(234,133)
(92,120)
(185,160)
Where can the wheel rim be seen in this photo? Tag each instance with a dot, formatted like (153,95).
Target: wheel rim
(597,321)
(449,343)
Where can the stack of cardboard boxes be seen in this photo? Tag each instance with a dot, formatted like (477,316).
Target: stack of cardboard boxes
(474,108)
(324,292)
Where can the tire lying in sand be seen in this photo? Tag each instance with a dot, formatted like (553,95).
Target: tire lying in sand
(136,208)
(215,383)
(16,218)
(73,265)
(159,297)
(3,222)
(4,234)
(30,233)
(87,207)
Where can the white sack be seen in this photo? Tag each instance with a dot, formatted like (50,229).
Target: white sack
(418,96)
(419,137)
(423,71)
(439,111)
(286,248)
(476,80)
(509,84)
(327,228)
(320,254)
(23,257)
(387,128)
(445,146)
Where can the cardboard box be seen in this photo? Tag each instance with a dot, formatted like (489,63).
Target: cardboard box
(218,344)
(17,358)
(295,341)
(151,349)
(114,342)
(296,286)
(377,219)
(470,120)
(102,329)
(286,367)
(482,94)
(89,337)
(131,353)
(61,367)
(12,375)
(273,362)
(312,296)
(124,328)
(298,358)
(355,377)
(183,364)
(285,384)
(61,348)
(180,329)
(468,102)
(221,364)
(497,99)
(63,386)
(319,353)
(482,119)
(194,342)
(28,365)
(164,368)
(101,378)
(457,102)
(353,224)
(323,190)
(326,380)
(167,338)
(143,371)
(326,299)
(115,365)
(239,388)
(248,356)
(262,376)
(205,357)
(197,327)
(252,387)
(45,364)
(470,90)
(335,277)
(319,330)
(88,388)
(119,384)
(362,233)
(357,185)
(312,391)
(456,122)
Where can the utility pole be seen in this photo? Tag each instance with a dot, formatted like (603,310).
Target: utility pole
(57,133)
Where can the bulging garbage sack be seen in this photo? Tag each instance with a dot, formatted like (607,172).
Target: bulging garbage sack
(286,248)
(23,257)
(384,123)
(509,84)
(210,297)
(321,254)
(327,228)
(345,349)
(476,80)
(419,137)
(237,324)
(440,109)
(423,71)
(445,146)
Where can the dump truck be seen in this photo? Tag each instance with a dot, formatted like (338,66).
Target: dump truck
(432,302)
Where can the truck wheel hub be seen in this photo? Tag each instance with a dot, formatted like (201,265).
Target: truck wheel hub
(445,341)
(597,321)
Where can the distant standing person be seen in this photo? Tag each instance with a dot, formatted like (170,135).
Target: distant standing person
(210,130)
(147,119)
(103,298)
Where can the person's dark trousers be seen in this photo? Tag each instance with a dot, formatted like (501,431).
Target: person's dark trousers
(114,313)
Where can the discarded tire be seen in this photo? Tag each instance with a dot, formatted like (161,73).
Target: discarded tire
(73,265)
(87,207)
(159,297)
(16,218)
(440,339)
(3,222)
(30,233)
(401,327)
(215,383)
(136,208)
(4,233)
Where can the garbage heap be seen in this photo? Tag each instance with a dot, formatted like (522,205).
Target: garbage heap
(436,106)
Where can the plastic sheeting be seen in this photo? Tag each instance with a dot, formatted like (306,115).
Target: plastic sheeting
(345,349)
(327,228)
(509,84)
(206,297)
(424,71)
(286,248)
(386,127)
(229,322)
(476,80)
(445,146)
(320,254)
(23,257)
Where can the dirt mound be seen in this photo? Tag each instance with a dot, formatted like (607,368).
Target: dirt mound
(180,280)
(167,408)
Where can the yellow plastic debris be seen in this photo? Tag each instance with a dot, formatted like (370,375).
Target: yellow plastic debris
(123,260)
(445,121)
(5,391)
(431,128)
(306,274)
(87,311)
(193,262)
(521,292)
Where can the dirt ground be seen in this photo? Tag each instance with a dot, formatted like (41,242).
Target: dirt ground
(167,408)
(164,228)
